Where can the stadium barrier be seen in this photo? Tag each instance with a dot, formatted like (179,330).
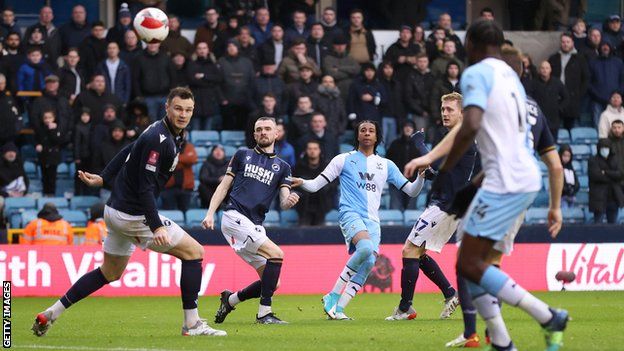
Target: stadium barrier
(308,269)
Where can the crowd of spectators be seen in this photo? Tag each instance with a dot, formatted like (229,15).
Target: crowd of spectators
(86,91)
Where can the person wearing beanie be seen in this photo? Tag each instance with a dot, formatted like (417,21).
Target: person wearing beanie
(96,230)
(107,150)
(124,24)
(605,192)
(13,178)
(49,228)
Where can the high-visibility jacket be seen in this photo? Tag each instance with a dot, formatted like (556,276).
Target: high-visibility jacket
(44,232)
(96,232)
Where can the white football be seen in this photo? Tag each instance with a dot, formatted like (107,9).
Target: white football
(151,25)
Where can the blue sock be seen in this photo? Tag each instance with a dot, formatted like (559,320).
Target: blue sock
(468,309)
(190,282)
(85,286)
(493,280)
(250,292)
(431,269)
(365,268)
(409,277)
(269,280)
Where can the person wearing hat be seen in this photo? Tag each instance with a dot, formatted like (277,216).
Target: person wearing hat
(366,96)
(124,24)
(342,67)
(13,179)
(175,41)
(607,72)
(306,85)
(605,192)
(211,173)
(238,75)
(402,54)
(107,150)
(49,228)
(612,33)
(96,230)
(76,30)
(297,57)
(51,100)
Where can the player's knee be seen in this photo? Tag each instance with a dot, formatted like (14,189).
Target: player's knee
(470,267)
(277,253)
(364,247)
(111,275)
(198,252)
(411,251)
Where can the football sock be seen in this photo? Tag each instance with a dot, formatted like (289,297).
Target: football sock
(345,276)
(488,308)
(85,286)
(251,291)
(263,310)
(499,284)
(190,283)
(365,268)
(409,276)
(350,291)
(468,309)
(269,280)
(56,309)
(191,316)
(431,269)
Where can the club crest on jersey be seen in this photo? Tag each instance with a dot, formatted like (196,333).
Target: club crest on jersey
(258,173)
(275,167)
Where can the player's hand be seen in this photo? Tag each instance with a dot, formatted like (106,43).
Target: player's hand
(208,222)
(554,221)
(291,200)
(415,164)
(90,179)
(161,237)
(295,182)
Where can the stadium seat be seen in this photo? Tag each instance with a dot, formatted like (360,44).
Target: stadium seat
(74,217)
(585,166)
(195,217)
(573,215)
(233,137)
(542,199)
(584,135)
(584,182)
(83,203)
(289,218)
(229,151)
(391,217)
(589,216)
(345,148)
(620,219)
(174,215)
(62,171)
(31,169)
(272,219)
(18,204)
(202,153)
(582,198)
(204,137)
(536,215)
(411,216)
(331,218)
(60,202)
(28,153)
(594,149)
(578,167)
(35,186)
(580,151)
(197,169)
(64,187)
(27,217)
(563,137)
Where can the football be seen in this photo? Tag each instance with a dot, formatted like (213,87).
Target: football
(151,25)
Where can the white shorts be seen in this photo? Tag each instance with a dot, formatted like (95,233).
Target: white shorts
(433,229)
(506,244)
(125,232)
(244,237)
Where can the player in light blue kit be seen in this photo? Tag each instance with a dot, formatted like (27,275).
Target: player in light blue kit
(362,175)
(495,113)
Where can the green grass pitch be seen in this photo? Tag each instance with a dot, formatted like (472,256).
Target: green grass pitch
(153,323)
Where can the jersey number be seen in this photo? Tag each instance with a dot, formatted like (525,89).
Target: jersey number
(521,125)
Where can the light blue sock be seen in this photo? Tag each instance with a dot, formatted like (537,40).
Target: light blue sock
(356,283)
(363,249)
(493,280)
(365,268)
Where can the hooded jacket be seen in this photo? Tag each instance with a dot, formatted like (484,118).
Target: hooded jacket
(606,76)
(48,229)
(11,171)
(328,102)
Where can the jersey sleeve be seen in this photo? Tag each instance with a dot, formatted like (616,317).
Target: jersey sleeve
(286,176)
(476,83)
(235,163)
(395,177)
(544,140)
(150,155)
(334,168)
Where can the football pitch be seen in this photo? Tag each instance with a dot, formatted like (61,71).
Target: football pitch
(153,323)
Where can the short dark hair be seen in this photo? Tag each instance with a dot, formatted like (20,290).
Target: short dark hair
(297,41)
(567,34)
(617,121)
(317,24)
(483,33)
(98,24)
(298,11)
(269,95)
(378,134)
(181,92)
(75,49)
(421,55)
(313,141)
(318,113)
(330,8)
(356,10)
(33,49)
(486,9)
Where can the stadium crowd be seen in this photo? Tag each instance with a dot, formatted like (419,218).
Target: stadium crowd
(72,96)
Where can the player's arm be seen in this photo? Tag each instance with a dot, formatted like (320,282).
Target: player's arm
(400,182)
(555,180)
(331,172)
(440,150)
(112,168)
(288,199)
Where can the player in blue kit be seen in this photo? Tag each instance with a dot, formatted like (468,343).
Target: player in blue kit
(495,113)
(255,177)
(139,172)
(362,175)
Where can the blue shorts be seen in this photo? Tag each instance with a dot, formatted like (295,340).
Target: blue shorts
(352,223)
(491,215)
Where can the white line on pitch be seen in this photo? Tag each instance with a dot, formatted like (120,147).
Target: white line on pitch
(87,348)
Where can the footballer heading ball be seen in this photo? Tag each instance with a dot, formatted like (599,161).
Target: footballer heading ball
(151,25)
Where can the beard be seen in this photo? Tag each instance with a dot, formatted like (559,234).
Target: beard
(265,142)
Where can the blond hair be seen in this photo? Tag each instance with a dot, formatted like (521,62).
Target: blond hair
(454,96)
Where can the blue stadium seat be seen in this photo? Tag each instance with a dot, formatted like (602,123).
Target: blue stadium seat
(594,149)
(83,203)
(536,215)
(578,167)
(584,135)
(196,169)
(421,201)
(563,137)
(62,171)
(584,182)
(229,151)
(233,137)
(620,219)
(391,217)
(580,151)
(202,153)
(64,186)
(585,165)
(27,217)
(74,217)
(31,169)
(272,219)
(204,137)
(582,198)
(344,147)
(385,201)
(331,218)
(195,217)
(60,202)
(411,216)
(573,215)
(289,218)
(35,186)
(174,215)
(18,204)
(29,153)
(541,200)
(589,216)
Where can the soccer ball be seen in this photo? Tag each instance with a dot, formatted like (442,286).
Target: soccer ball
(151,25)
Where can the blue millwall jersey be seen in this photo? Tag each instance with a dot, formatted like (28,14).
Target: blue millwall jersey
(141,169)
(540,139)
(258,176)
(362,180)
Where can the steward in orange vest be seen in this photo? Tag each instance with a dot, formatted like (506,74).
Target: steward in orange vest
(48,229)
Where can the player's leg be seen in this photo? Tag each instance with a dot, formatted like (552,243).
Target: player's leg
(269,281)
(469,338)
(409,276)
(433,271)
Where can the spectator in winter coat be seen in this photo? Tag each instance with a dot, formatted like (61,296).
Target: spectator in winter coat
(8,114)
(205,81)
(96,99)
(579,36)
(72,79)
(607,76)
(49,140)
(13,179)
(616,136)
(298,30)
(117,73)
(445,85)
(361,41)
(31,74)
(297,57)
(317,45)
(299,123)
(401,151)
(342,67)
(330,24)
(605,192)
(180,67)
(49,33)
(306,85)
(175,42)
(318,131)
(8,23)
(131,48)
(76,30)
(551,96)
(82,150)
(445,23)
(418,91)
(93,48)
(328,102)
(613,34)
(366,96)
(402,54)
(106,151)
(261,26)
(179,188)
(267,82)
(274,49)
(246,47)
(152,78)
(312,207)
(613,112)
(36,40)
(438,66)
(211,174)
(123,25)
(238,76)
(283,149)
(52,100)
(211,32)
(14,53)
(392,112)
(571,184)
(592,44)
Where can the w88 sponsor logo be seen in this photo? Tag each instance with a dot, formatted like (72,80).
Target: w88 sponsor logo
(367,186)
